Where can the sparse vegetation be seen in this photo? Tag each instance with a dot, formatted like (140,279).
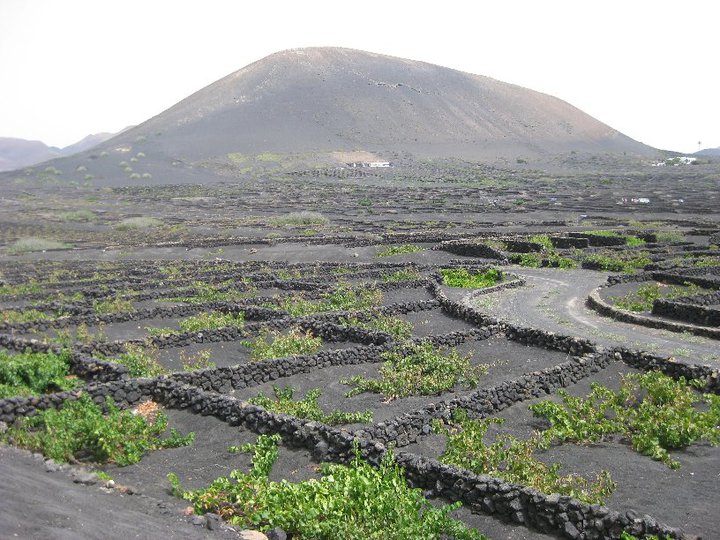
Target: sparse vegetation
(141,361)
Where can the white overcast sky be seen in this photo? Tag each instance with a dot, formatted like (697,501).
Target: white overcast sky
(648,68)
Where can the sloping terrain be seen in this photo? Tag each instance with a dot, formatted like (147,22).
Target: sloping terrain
(309,103)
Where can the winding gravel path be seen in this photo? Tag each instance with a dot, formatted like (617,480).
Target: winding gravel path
(555,300)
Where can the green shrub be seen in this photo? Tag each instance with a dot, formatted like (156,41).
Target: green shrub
(643,299)
(300,218)
(419,369)
(273,344)
(401,275)
(342,298)
(34,373)
(114,305)
(14,316)
(78,215)
(528,260)
(389,251)
(307,407)
(80,430)
(655,412)
(396,327)
(132,223)
(461,278)
(141,361)
(211,321)
(354,502)
(27,245)
(513,459)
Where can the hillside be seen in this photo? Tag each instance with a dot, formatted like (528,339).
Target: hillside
(17,153)
(329,98)
(312,102)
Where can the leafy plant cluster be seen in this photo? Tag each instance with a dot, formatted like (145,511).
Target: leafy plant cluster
(307,407)
(610,261)
(462,278)
(655,412)
(535,260)
(141,361)
(630,240)
(354,502)
(514,459)
(342,298)
(202,321)
(199,360)
(419,369)
(273,344)
(399,329)
(80,431)
(32,373)
(15,316)
(643,298)
(112,305)
(389,251)
(399,276)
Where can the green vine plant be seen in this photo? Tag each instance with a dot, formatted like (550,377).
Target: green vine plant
(399,329)
(307,407)
(353,502)
(141,361)
(514,459)
(655,412)
(80,431)
(202,322)
(273,344)
(462,278)
(342,298)
(419,369)
(34,373)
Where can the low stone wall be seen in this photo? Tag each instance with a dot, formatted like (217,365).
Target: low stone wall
(522,246)
(603,308)
(569,242)
(471,248)
(596,240)
(691,313)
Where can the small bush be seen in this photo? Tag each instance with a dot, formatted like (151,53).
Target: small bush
(389,251)
(300,218)
(211,321)
(78,215)
(356,501)
(461,278)
(401,275)
(273,344)
(30,244)
(34,373)
(396,327)
(513,459)
(129,224)
(307,407)
(141,361)
(80,430)
(419,369)
(654,411)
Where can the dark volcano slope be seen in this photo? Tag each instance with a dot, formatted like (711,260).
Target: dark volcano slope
(340,99)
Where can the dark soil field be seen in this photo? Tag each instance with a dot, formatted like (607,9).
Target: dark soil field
(326,256)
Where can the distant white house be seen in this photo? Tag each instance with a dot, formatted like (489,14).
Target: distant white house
(373,164)
(675,162)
